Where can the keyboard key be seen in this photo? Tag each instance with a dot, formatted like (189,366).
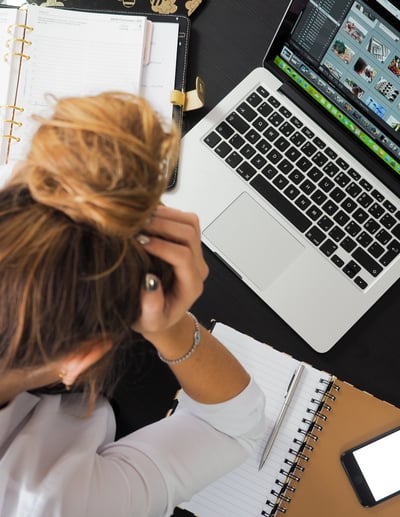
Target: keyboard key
(330,169)
(341,218)
(353,189)
(319,159)
(319,197)
(291,191)
(296,122)
(269,171)
(337,261)
(280,181)
(254,99)
(337,194)
(376,210)
(224,130)
(331,153)
(342,179)
(367,262)
(392,252)
(274,102)
(286,129)
(247,151)
(353,228)
(297,139)
(308,149)
(274,156)
(389,206)
(246,171)
(348,244)
(285,166)
(349,205)
(330,207)
(365,185)
(212,139)
(383,237)
(307,187)
(265,109)
(365,200)
(307,131)
(336,233)
(313,212)
(260,124)
(376,249)
(360,215)
(263,146)
(328,247)
(258,161)
(326,184)
(246,111)
(315,235)
(354,174)
(233,159)
(325,223)
(236,141)
(303,202)
(223,149)
(292,154)
(282,144)
(303,164)
(238,123)
(279,201)
(351,269)
(396,231)
(314,174)
(360,282)
(371,226)
(377,195)
(275,119)
(296,176)
(271,134)
(262,91)
(319,143)
(342,164)
(364,239)
(285,112)
(252,136)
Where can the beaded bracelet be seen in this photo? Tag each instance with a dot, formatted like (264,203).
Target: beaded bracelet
(196,342)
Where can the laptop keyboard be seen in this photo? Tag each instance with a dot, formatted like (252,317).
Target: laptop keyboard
(338,211)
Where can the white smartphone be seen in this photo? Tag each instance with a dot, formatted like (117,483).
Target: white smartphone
(374,468)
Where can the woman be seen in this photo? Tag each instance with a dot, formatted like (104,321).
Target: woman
(86,254)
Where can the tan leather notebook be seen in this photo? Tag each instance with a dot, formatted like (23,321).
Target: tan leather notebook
(303,475)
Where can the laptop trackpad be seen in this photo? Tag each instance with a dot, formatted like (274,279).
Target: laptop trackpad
(251,239)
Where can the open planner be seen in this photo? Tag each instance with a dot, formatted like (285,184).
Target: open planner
(60,52)
(303,475)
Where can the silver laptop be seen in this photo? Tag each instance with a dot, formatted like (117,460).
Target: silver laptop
(295,174)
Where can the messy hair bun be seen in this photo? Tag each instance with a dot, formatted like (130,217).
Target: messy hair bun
(103,160)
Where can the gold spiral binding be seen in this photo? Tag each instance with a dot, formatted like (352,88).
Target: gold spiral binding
(12,137)
(19,40)
(13,122)
(13,26)
(12,107)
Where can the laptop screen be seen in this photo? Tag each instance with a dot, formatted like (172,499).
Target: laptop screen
(345,54)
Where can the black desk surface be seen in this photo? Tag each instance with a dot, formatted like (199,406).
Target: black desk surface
(229,38)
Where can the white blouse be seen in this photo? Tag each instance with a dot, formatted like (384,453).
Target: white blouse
(55,462)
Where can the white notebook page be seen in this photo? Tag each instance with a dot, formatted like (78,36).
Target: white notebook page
(244,491)
(74,53)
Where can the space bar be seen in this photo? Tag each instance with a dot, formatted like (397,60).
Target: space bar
(273,196)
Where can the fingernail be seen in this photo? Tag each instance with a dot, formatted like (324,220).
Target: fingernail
(143,239)
(150,282)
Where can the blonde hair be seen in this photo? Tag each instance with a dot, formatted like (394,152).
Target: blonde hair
(71,268)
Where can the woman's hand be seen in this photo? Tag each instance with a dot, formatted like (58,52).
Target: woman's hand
(174,237)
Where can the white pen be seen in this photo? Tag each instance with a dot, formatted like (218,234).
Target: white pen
(294,381)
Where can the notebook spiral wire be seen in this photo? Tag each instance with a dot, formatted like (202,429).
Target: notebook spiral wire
(301,456)
(20,41)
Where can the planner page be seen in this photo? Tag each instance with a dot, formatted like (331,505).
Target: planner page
(244,491)
(75,53)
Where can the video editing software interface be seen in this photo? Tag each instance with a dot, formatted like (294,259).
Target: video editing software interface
(343,54)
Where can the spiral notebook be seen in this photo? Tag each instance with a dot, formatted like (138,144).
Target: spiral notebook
(65,52)
(303,475)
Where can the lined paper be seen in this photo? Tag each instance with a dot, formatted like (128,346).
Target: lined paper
(244,491)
